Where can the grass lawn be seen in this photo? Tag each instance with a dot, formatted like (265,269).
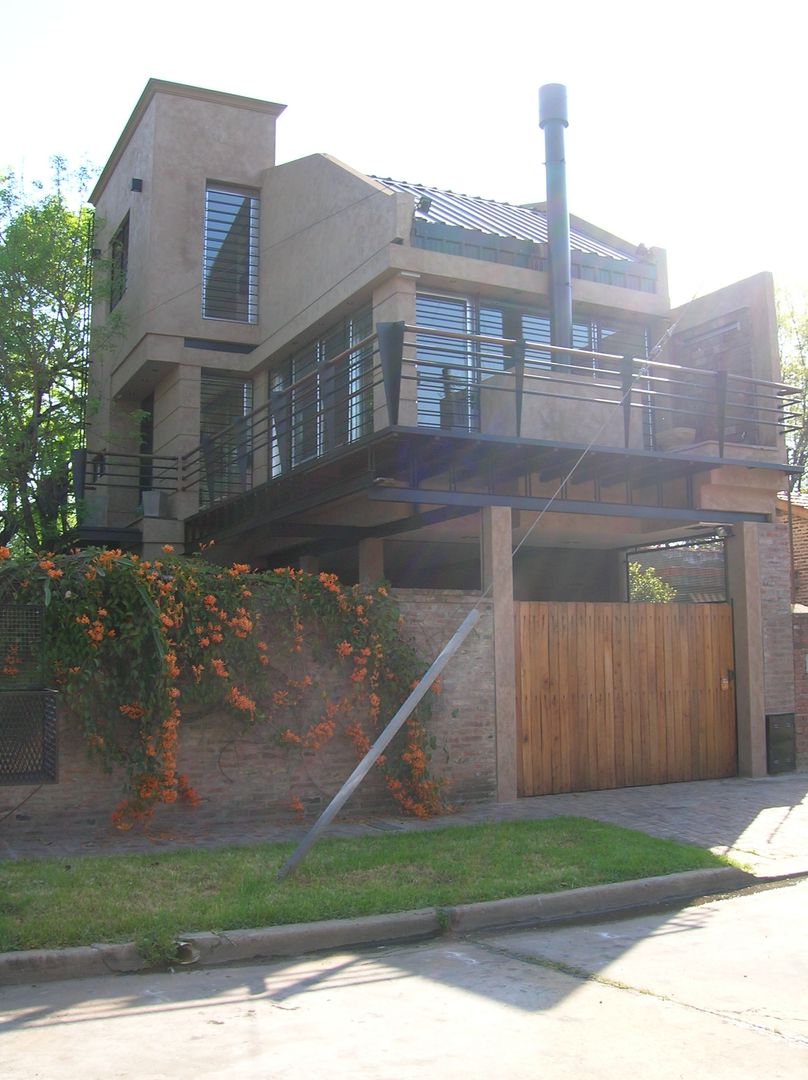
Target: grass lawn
(154,898)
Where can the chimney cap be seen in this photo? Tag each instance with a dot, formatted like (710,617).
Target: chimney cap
(553,104)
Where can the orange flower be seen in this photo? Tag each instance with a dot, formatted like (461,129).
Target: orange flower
(4,553)
(219,668)
(344,649)
(297,806)
(168,548)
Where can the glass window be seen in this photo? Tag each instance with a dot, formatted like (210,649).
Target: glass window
(330,401)
(119,260)
(230,256)
(225,435)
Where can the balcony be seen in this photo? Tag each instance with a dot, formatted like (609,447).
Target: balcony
(418,414)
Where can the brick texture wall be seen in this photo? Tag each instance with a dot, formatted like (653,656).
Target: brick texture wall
(801,688)
(244,778)
(799,523)
(778,644)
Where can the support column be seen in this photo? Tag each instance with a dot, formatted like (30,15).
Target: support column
(758,564)
(371,560)
(497,576)
(394,301)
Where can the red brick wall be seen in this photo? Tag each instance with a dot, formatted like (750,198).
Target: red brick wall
(244,778)
(801,688)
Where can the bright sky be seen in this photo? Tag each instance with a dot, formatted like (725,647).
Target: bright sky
(687,118)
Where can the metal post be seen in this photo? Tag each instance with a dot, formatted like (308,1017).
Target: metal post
(553,120)
(381,744)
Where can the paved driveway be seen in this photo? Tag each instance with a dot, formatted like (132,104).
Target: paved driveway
(762,822)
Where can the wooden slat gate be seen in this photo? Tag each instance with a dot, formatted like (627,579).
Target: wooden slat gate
(618,695)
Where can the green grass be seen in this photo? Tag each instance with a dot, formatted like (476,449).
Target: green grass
(46,903)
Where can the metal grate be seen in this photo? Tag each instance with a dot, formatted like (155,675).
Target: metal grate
(22,647)
(29,737)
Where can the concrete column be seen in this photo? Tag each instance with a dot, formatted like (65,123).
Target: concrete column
(394,301)
(371,560)
(497,576)
(177,408)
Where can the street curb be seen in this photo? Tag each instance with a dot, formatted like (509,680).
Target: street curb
(621,896)
(275,942)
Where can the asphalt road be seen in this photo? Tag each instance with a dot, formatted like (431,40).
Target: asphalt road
(718,989)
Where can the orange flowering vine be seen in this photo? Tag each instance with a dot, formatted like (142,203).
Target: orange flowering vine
(105,608)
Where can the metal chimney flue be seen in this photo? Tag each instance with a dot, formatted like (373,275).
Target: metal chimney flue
(553,120)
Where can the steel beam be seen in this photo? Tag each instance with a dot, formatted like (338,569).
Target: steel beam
(562,506)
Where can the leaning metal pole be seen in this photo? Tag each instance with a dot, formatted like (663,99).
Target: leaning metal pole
(381,744)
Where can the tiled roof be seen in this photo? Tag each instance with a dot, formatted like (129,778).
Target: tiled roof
(494,218)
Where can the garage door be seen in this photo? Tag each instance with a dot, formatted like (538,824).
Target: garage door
(618,695)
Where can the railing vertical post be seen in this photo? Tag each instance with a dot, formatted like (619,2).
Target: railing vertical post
(519,350)
(391,357)
(626,383)
(721,408)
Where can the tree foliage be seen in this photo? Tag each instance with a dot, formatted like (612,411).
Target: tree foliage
(44,320)
(645,586)
(792,324)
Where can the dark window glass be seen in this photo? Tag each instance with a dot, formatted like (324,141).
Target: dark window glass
(225,435)
(119,259)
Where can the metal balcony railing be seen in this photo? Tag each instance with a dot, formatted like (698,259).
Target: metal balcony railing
(93,469)
(419,377)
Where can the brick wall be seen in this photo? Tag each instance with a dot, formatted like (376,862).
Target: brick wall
(801,688)
(242,775)
(775,595)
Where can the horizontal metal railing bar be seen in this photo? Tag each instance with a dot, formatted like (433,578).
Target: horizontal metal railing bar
(490,339)
(104,456)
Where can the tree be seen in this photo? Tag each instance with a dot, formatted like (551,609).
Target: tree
(44,324)
(647,587)
(792,325)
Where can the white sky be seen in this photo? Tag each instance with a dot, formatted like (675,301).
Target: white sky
(687,119)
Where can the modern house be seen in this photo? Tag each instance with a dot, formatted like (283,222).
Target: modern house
(368,376)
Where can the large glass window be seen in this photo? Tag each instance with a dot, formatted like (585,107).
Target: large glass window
(230,256)
(225,435)
(451,368)
(330,395)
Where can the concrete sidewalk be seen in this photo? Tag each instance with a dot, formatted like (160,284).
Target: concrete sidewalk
(762,823)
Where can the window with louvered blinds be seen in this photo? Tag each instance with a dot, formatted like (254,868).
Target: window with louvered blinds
(230,256)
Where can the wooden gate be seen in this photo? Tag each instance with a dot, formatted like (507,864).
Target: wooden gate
(618,695)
